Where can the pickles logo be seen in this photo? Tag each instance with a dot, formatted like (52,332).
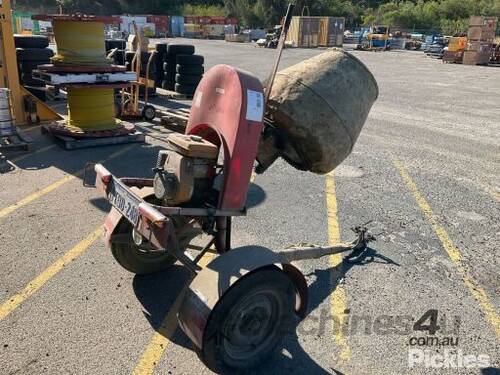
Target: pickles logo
(450,358)
(419,356)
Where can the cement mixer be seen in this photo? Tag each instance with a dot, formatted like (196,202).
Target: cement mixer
(316,110)
(239,306)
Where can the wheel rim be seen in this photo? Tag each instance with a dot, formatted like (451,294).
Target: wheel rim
(251,326)
(150,113)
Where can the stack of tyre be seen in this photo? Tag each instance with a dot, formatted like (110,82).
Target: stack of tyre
(161,54)
(182,69)
(120,46)
(170,63)
(189,71)
(129,57)
(31,51)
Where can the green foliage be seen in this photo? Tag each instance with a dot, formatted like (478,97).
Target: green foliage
(203,10)
(447,16)
(453,27)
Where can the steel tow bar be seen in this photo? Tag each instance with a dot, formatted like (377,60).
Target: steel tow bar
(305,251)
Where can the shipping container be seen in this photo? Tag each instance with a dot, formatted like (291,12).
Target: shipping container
(331,31)
(204,20)
(161,24)
(304,32)
(140,19)
(177,26)
(191,19)
(22,23)
(229,29)
(213,31)
(193,30)
(219,20)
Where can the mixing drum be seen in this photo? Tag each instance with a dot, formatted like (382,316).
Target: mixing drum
(318,108)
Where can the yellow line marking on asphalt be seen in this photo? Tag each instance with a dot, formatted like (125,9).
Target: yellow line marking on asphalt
(495,195)
(474,287)
(17,299)
(338,298)
(161,338)
(32,197)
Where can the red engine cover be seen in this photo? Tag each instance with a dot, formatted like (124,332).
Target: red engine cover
(227,110)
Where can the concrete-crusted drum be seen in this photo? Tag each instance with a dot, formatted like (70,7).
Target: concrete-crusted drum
(320,106)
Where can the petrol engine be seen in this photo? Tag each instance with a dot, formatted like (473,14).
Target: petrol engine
(184,174)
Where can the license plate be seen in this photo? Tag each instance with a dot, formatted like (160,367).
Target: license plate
(124,201)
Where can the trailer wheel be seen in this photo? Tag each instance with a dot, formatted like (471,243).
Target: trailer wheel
(135,258)
(249,321)
(148,113)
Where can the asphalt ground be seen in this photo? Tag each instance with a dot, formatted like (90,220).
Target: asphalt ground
(425,173)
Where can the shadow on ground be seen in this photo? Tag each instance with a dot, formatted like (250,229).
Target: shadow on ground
(156,294)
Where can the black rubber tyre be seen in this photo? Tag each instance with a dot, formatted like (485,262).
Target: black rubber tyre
(161,48)
(190,69)
(28,66)
(160,75)
(148,112)
(159,62)
(33,54)
(151,91)
(169,76)
(190,60)
(119,57)
(118,109)
(152,72)
(168,85)
(249,322)
(31,41)
(115,43)
(185,89)
(129,56)
(145,58)
(185,79)
(28,80)
(169,67)
(135,260)
(178,49)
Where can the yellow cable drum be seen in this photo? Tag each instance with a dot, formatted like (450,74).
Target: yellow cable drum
(91,109)
(79,43)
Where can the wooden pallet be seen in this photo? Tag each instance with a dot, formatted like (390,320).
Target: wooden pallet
(453,57)
(72,143)
(173,95)
(16,141)
(175,119)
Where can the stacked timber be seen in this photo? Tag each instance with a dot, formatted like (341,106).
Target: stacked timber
(480,40)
